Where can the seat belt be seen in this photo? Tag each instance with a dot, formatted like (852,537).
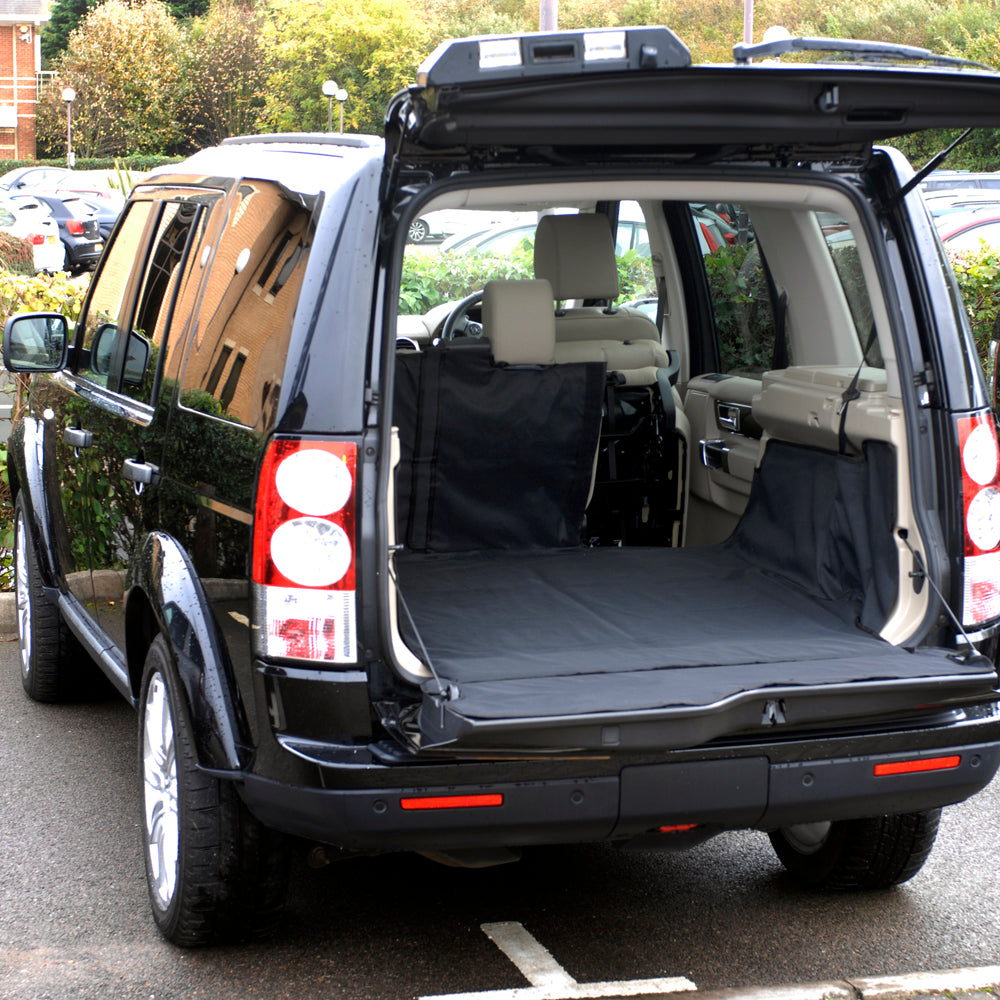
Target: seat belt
(850,394)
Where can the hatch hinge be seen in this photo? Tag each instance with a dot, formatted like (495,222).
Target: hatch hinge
(774,712)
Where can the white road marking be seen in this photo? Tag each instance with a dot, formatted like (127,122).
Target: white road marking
(549,980)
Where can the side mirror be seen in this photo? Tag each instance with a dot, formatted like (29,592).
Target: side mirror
(35,342)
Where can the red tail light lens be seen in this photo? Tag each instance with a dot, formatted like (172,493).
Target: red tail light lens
(304,550)
(977,438)
(713,243)
(74,227)
(37,239)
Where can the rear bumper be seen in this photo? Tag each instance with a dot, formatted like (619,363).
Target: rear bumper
(735,793)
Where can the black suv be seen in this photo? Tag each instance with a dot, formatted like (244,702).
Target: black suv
(525,566)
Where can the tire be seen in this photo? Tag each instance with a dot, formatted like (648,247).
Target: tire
(860,853)
(214,874)
(54,666)
(419,231)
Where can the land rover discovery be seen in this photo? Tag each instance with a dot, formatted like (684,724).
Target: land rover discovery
(523,564)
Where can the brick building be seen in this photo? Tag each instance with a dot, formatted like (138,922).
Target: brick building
(20,62)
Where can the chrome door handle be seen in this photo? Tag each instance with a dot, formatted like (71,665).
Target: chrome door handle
(77,437)
(143,474)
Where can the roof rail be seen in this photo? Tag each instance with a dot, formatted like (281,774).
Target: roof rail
(303,138)
(850,48)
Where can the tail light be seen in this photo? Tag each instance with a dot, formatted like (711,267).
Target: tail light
(74,227)
(304,551)
(36,239)
(977,438)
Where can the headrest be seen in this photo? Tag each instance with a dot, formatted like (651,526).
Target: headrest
(576,253)
(519,322)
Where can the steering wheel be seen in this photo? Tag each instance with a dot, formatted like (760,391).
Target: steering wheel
(452,327)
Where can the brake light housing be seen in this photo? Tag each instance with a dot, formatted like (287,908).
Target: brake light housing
(304,551)
(74,227)
(980,461)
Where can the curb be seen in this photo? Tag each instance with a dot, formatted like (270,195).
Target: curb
(8,613)
(979,983)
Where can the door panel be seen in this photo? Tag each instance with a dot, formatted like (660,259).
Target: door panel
(725,454)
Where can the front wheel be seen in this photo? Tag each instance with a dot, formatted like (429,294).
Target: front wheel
(858,853)
(419,231)
(54,666)
(213,872)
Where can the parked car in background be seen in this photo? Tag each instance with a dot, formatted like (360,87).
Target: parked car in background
(957,200)
(27,219)
(105,210)
(32,177)
(969,230)
(943,180)
(79,229)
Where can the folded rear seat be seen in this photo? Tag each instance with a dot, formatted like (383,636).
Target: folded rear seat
(497,445)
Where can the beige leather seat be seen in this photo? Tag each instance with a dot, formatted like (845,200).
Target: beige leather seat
(519,323)
(576,255)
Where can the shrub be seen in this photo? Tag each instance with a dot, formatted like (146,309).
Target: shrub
(19,293)
(978,274)
(429,279)
(16,255)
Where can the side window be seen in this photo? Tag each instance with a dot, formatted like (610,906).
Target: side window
(167,273)
(843,246)
(122,344)
(111,295)
(237,354)
(738,284)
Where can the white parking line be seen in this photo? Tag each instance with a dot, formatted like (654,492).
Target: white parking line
(549,980)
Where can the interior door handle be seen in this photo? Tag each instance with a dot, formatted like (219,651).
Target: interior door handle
(714,454)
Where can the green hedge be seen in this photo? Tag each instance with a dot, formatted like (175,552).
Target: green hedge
(138,163)
(431,278)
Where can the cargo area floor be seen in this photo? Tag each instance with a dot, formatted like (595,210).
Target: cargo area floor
(584,630)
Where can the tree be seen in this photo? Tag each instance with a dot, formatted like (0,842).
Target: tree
(370,47)
(228,68)
(65,19)
(125,64)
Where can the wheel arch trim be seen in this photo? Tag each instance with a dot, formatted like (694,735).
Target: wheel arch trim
(166,596)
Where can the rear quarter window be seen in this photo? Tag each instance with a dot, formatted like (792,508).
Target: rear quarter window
(236,358)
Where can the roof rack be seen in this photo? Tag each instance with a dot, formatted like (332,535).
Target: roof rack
(859,50)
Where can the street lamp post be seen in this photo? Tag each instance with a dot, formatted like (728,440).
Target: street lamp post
(69,96)
(341,96)
(330,91)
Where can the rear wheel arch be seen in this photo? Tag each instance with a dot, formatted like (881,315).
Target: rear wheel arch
(166,599)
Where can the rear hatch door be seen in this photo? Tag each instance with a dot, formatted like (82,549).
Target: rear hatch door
(635,91)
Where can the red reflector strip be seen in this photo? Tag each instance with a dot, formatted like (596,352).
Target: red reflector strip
(913,766)
(452,802)
(678,828)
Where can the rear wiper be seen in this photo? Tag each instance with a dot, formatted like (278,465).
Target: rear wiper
(850,48)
